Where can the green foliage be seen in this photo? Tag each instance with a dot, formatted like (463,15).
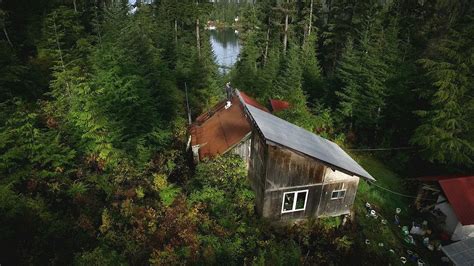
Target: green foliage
(99,256)
(445,134)
(92,127)
(363,71)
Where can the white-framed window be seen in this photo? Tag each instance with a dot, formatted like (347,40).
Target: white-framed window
(294,201)
(338,194)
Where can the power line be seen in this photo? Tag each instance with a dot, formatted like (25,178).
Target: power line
(399,194)
(381,149)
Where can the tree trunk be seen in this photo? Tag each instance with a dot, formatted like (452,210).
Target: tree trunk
(198,39)
(61,59)
(267,41)
(6,36)
(75,6)
(176,31)
(310,24)
(285,36)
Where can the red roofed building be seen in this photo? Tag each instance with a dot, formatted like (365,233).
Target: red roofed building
(454,204)
(221,130)
(279,105)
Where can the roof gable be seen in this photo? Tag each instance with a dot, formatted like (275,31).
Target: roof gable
(289,135)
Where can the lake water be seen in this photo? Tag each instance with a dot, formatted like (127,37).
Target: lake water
(226,46)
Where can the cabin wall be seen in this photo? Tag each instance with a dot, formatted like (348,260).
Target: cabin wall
(243,149)
(336,180)
(256,173)
(288,171)
(286,168)
(273,201)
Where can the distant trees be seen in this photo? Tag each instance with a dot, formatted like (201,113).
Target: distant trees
(93,166)
(445,133)
(373,64)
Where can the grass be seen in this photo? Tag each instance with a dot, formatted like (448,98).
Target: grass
(385,202)
(386,179)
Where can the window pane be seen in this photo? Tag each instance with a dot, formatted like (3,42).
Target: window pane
(342,193)
(288,202)
(300,200)
(334,195)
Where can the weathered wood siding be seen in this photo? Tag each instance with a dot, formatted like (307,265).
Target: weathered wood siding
(243,149)
(274,199)
(257,161)
(286,168)
(288,171)
(336,180)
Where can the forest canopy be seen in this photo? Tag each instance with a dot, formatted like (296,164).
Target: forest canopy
(94,168)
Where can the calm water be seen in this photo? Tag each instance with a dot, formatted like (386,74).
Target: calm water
(226,46)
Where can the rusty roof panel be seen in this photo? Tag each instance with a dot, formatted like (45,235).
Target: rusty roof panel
(220,130)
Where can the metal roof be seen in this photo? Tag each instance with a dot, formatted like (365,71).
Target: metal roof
(460,194)
(220,130)
(281,132)
(461,253)
(279,105)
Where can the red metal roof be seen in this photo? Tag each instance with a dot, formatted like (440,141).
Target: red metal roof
(279,105)
(460,194)
(251,101)
(220,129)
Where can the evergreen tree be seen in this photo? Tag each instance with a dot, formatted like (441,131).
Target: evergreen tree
(363,72)
(445,134)
(312,79)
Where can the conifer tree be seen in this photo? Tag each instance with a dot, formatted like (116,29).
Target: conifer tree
(445,134)
(312,79)
(364,73)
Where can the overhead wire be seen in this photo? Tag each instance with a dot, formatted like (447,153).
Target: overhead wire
(398,193)
(381,149)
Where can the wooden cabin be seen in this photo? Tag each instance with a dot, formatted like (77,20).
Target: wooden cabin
(294,173)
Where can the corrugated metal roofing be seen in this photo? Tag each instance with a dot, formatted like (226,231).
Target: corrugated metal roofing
(220,129)
(289,135)
(461,253)
(460,194)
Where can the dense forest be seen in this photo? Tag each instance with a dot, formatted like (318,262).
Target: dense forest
(94,168)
